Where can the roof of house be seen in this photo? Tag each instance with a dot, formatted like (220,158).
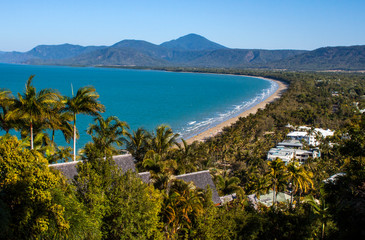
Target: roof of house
(145,176)
(124,162)
(201,180)
(291,143)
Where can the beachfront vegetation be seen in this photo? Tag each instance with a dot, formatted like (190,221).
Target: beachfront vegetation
(103,203)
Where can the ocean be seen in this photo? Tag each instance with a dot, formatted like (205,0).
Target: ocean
(189,103)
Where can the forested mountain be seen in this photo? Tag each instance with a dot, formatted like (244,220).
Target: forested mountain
(192,42)
(191,50)
(334,58)
(43,53)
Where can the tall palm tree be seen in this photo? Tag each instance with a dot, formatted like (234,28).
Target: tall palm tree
(277,177)
(33,107)
(6,100)
(107,133)
(299,178)
(163,139)
(320,209)
(84,102)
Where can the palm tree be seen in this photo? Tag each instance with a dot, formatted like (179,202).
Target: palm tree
(186,157)
(225,184)
(277,177)
(299,178)
(320,209)
(108,132)
(84,102)
(34,107)
(137,143)
(60,120)
(6,100)
(163,139)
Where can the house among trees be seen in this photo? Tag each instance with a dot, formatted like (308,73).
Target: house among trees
(202,179)
(126,162)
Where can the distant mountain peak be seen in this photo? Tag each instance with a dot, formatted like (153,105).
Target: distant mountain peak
(192,42)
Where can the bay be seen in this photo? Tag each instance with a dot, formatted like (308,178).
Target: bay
(188,102)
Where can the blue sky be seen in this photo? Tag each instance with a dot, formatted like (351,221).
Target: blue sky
(265,24)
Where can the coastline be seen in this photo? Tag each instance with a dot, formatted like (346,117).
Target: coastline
(211,132)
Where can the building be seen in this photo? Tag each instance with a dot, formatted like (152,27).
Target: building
(201,179)
(308,135)
(124,162)
(289,154)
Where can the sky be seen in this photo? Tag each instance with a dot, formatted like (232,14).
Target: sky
(260,24)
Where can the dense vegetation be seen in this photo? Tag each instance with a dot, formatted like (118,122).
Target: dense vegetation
(103,203)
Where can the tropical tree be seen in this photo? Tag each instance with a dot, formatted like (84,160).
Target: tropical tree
(106,133)
(186,157)
(137,143)
(182,206)
(60,120)
(6,100)
(277,177)
(299,179)
(320,209)
(33,107)
(225,184)
(84,102)
(163,139)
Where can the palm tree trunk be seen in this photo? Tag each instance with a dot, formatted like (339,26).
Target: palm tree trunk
(31,135)
(75,137)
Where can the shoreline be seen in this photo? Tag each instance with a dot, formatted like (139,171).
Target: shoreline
(211,132)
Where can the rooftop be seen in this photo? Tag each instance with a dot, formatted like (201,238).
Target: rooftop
(201,180)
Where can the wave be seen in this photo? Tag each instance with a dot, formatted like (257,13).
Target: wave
(193,128)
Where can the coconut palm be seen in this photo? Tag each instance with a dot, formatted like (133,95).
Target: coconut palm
(6,100)
(277,177)
(33,107)
(60,120)
(320,209)
(137,142)
(225,184)
(299,178)
(84,102)
(106,133)
(163,139)
(181,206)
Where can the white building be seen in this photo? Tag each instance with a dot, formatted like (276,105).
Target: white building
(303,134)
(289,154)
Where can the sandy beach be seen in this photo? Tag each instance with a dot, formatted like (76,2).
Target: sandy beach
(215,130)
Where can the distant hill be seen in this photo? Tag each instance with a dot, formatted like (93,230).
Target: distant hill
(191,50)
(327,58)
(242,58)
(192,42)
(42,53)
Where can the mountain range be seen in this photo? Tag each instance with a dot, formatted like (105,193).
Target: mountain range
(191,50)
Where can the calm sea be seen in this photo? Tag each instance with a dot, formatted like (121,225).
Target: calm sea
(188,102)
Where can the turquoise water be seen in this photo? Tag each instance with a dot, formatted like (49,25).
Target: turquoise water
(188,102)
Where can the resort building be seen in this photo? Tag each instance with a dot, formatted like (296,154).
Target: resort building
(308,135)
(290,154)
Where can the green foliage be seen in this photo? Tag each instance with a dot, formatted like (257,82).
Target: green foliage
(121,205)
(34,202)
